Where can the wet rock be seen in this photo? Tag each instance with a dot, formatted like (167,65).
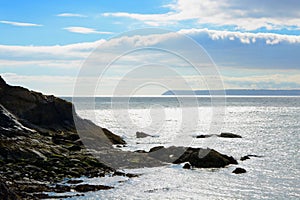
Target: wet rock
(62,188)
(244,158)
(129,175)
(88,188)
(203,136)
(142,135)
(47,196)
(187,166)
(115,139)
(223,135)
(229,135)
(140,151)
(156,148)
(197,157)
(239,170)
(256,156)
(74,182)
(248,157)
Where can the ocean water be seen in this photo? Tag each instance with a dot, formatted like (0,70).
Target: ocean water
(270,128)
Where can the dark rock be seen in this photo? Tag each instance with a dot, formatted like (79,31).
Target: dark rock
(129,175)
(62,188)
(197,157)
(203,136)
(257,156)
(140,151)
(88,188)
(47,196)
(74,182)
(5,192)
(187,166)
(75,148)
(115,139)
(156,148)
(239,170)
(224,135)
(229,135)
(142,135)
(244,158)
(248,157)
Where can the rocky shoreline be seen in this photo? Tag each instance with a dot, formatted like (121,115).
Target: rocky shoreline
(40,146)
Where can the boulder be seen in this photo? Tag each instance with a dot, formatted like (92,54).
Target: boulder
(239,170)
(197,157)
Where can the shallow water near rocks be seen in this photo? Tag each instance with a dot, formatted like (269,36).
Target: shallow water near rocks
(269,126)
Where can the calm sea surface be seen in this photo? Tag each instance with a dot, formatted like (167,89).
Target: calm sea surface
(270,127)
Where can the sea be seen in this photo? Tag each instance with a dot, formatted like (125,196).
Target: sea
(269,126)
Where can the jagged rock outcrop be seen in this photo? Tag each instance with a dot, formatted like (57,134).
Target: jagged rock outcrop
(39,141)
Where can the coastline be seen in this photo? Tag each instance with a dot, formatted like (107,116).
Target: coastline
(40,146)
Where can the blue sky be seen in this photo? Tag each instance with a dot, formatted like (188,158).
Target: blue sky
(44,44)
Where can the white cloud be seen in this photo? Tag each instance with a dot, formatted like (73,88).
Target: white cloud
(70,15)
(42,63)
(22,24)
(84,30)
(248,15)
(74,51)
(244,37)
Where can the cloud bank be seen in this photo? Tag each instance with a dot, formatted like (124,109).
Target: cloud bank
(245,15)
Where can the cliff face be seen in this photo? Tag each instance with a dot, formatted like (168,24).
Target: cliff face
(47,114)
(33,107)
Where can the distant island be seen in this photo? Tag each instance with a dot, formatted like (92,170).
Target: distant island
(235,92)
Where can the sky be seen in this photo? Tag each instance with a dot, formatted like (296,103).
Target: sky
(53,45)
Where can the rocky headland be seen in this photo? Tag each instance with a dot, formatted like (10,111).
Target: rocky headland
(40,146)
